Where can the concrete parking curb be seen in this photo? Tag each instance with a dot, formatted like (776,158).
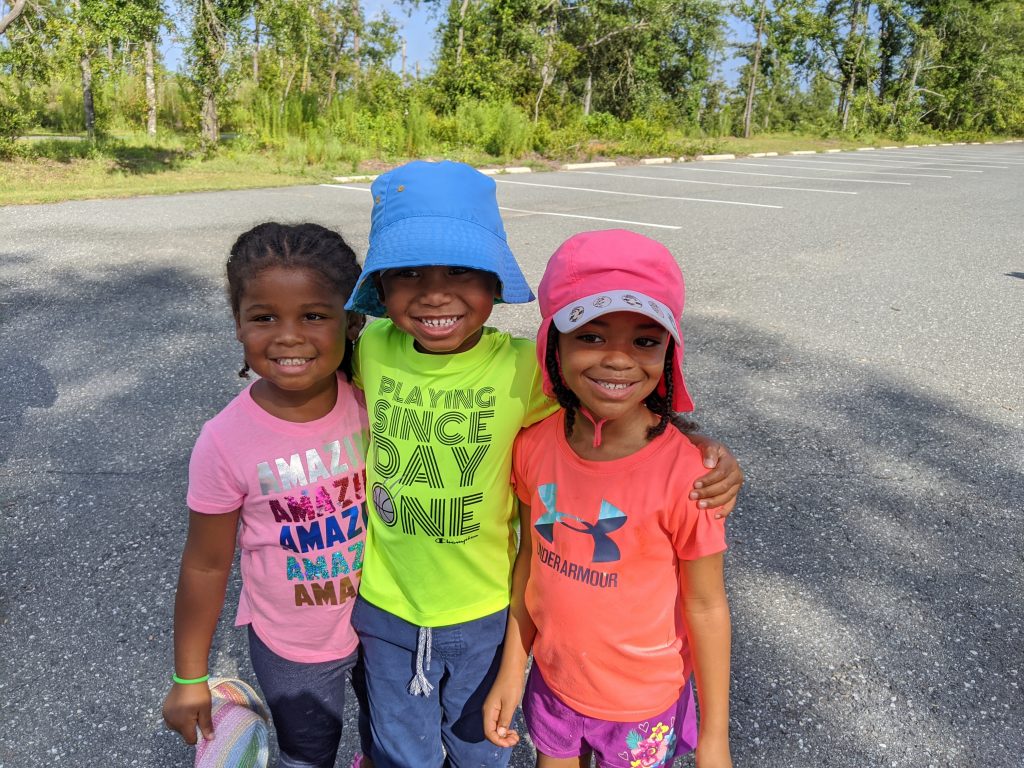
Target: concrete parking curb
(723,156)
(507,169)
(656,160)
(354,179)
(581,166)
(804,152)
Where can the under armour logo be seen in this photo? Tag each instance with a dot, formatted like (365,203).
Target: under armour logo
(611,518)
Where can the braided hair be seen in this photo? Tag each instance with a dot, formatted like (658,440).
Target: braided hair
(299,246)
(660,405)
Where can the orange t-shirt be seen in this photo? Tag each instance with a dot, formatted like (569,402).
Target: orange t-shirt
(604,576)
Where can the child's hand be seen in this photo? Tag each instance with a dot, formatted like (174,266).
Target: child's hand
(187,706)
(713,753)
(720,486)
(499,706)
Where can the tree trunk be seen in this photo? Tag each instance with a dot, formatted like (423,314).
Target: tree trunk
(333,83)
(748,110)
(87,104)
(304,85)
(588,92)
(462,32)
(210,122)
(15,12)
(150,88)
(851,64)
(547,69)
(256,50)
(356,16)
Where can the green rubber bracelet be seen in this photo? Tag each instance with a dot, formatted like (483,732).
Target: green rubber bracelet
(193,681)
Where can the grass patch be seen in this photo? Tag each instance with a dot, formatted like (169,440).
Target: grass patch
(52,170)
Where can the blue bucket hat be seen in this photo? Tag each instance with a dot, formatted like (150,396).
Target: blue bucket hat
(436,214)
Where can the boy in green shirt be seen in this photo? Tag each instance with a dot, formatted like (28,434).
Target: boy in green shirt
(446,397)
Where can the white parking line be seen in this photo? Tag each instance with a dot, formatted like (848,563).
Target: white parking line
(719,183)
(638,194)
(552,213)
(787,176)
(974,155)
(920,158)
(590,218)
(834,170)
(885,164)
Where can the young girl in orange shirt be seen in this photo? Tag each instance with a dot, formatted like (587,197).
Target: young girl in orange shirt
(618,586)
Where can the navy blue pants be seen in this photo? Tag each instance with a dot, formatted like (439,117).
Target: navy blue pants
(445,727)
(307,702)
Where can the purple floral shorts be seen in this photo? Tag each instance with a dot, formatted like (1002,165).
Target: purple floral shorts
(654,742)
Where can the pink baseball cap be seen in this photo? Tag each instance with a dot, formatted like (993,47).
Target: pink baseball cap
(613,270)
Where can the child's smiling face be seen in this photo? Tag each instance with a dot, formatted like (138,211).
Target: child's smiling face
(292,326)
(443,308)
(613,363)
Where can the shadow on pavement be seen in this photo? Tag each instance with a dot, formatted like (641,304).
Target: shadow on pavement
(875,569)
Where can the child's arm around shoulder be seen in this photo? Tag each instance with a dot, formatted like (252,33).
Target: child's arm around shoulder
(505,694)
(202,582)
(708,627)
(721,485)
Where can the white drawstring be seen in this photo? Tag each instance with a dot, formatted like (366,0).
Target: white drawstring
(419,685)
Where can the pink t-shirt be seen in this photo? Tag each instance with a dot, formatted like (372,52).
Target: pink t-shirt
(301,489)
(604,576)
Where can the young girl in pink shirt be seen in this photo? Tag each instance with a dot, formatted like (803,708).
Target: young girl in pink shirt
(282,469)
(618,587)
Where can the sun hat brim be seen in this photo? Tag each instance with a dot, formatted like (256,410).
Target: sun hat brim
(421,241)
(589,308)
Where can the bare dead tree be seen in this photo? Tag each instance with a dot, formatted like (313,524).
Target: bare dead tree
(11,15)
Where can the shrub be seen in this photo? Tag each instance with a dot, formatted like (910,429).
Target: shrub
(417,129)
(12,123)
(509,135)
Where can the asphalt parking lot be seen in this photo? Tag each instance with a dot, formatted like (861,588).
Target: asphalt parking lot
(853,332)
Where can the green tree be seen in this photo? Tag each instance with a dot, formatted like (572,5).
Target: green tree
(216,24)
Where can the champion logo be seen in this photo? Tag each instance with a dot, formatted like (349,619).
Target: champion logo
(609,519)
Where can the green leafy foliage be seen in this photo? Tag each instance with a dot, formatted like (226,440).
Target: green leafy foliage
(315,81)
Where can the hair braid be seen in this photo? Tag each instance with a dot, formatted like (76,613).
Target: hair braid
(565,396)
(662,404)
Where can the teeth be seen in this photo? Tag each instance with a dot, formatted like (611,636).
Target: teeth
(439,322)
(293,361)
(613,385)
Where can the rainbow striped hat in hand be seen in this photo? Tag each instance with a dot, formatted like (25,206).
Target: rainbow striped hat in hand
(239,726)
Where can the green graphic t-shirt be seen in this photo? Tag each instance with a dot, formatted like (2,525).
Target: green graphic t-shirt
(440,544)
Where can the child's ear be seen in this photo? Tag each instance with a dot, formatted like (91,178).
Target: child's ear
(356,321)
